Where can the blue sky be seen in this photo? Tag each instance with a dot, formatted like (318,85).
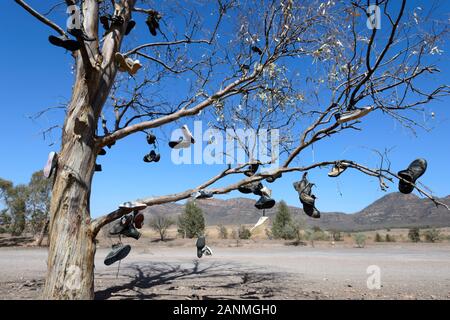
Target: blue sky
(35,76)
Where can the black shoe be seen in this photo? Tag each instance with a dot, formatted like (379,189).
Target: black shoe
(273,178)
(414,171)
(201,243)
(252,169)
(257,50)
(153,22)
(265,203)
(152,156)
(98,167)
(117,21)
(102,152)
(64,42)
(104,20)
(78,33)
(299,186)
(130,26)
(131,231)
(121,224)
(311,211)
(151,138)
(111,144)
(308,201)
(118,252)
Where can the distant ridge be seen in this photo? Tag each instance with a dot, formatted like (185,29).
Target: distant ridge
(392,210)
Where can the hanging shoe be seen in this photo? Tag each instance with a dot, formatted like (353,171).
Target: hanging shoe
(201,243)
(131,231)
(202,194)
(252,187)
(98,167)
(273,178)
(138,220)
(207,251)
(133,206)
(266,192)
(130,27)
(151,138)
(79,33)
(120,225)
(252,169)
(311,211)
(152,22)
(52,163)
(308,202)
(64,42)
(257,50)
(118,252)
(337,169)
(180,144)
(102,152)
(104,20)
(126,64)
(260,222)
(414,171)
(265,203)
(299,186)
(152,157)
(117,20)
(352,114)
(187,134)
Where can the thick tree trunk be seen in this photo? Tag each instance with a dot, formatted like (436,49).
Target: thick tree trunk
(70,265)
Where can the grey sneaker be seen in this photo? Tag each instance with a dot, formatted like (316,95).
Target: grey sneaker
(352,114)
(265,203)
(118,252)
(337,169)
(50,166)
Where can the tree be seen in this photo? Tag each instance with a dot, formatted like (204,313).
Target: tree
(283,226)
(246,57)
(223,232)
(414,234)
(378,237)
(191,222)
(432,235)
(38,205)
(160,224)
(244,233)
(389,238)
(360,240)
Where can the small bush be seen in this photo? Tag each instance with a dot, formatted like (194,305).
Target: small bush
(414,234)
(223,232)
(389,238)
(244,233)
(378,238)
(360,240)
(432,235)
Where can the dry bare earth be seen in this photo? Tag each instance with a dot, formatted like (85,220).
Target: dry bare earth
(255,270)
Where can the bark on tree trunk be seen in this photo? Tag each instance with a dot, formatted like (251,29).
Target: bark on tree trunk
(70,273)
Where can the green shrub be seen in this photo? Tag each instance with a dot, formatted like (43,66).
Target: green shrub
(432,235)
(414,234)
(378,238)
(244,233)
(360,239)
(191,222)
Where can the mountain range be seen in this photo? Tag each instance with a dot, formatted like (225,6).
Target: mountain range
(394,210)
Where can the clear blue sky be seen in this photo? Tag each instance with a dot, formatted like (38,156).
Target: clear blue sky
(35,75)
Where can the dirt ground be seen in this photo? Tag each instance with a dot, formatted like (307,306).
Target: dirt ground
(254,270)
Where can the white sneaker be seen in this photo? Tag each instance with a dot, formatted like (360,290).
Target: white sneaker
(207,251)
(337,170)
(52,162)
(353,114)
(133,205)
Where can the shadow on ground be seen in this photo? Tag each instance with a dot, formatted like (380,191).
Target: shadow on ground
(196,282)
(16,241)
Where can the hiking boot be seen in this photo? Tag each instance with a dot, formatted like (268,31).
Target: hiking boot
(252,169)
(132,206)
(152,156)
(64,42)
(308,202)
(151,138)
(202,194)
(126,64)
(352,114)
(414,171)
(311,211)
(138,220)
(98,167)
(130,27)
(79,33)
(118,252)
(52,163)
(337,169)
(273,178)
(119,225)
(265,203)
(201,243)
(299,186)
